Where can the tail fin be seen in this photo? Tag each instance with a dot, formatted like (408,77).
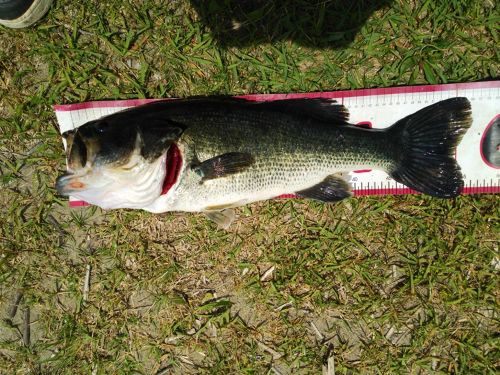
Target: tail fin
(426,141)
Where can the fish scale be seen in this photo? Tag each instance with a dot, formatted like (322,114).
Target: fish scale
(291,154)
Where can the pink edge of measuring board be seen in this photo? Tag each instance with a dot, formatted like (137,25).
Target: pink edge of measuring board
(367,192)
(78,203)
(102,104)
(377,91)
(319,94)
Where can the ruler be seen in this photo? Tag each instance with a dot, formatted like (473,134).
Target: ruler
(478,154)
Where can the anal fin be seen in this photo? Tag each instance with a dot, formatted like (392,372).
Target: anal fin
(223,165)
(223,218)
(333,188)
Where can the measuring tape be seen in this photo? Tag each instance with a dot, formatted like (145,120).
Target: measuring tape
(478,154)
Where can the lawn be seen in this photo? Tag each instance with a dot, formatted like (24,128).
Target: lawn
(393,284)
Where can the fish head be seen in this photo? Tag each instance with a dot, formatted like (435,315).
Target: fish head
(115,166)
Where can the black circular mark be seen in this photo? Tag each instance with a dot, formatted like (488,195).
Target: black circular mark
(490,143)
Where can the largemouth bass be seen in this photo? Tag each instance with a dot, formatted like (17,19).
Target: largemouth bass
(211,154)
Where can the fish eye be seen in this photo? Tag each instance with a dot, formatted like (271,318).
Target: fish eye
(102,126)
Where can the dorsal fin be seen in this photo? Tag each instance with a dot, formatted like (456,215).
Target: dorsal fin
(318,108)
(322,109)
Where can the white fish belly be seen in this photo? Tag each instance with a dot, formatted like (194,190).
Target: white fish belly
(237,190)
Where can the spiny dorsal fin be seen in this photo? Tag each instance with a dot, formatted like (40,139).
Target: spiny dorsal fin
(332,189)
(223,165)
(318,108)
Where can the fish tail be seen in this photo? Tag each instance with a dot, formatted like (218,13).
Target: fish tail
(426,143)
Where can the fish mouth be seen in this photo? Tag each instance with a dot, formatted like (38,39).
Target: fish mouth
(173,167)
(68,183)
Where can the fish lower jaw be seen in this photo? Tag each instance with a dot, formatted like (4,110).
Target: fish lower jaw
(123,198)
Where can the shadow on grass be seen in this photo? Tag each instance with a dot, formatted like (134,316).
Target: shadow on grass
(311,23)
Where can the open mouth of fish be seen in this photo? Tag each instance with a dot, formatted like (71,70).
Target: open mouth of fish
(69,184)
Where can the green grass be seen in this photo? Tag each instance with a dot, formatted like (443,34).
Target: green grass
(381,284)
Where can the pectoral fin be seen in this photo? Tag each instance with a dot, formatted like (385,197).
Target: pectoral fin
(223,165)
(331,189)
(223,218)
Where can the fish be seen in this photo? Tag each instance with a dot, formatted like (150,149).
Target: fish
(212,154)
